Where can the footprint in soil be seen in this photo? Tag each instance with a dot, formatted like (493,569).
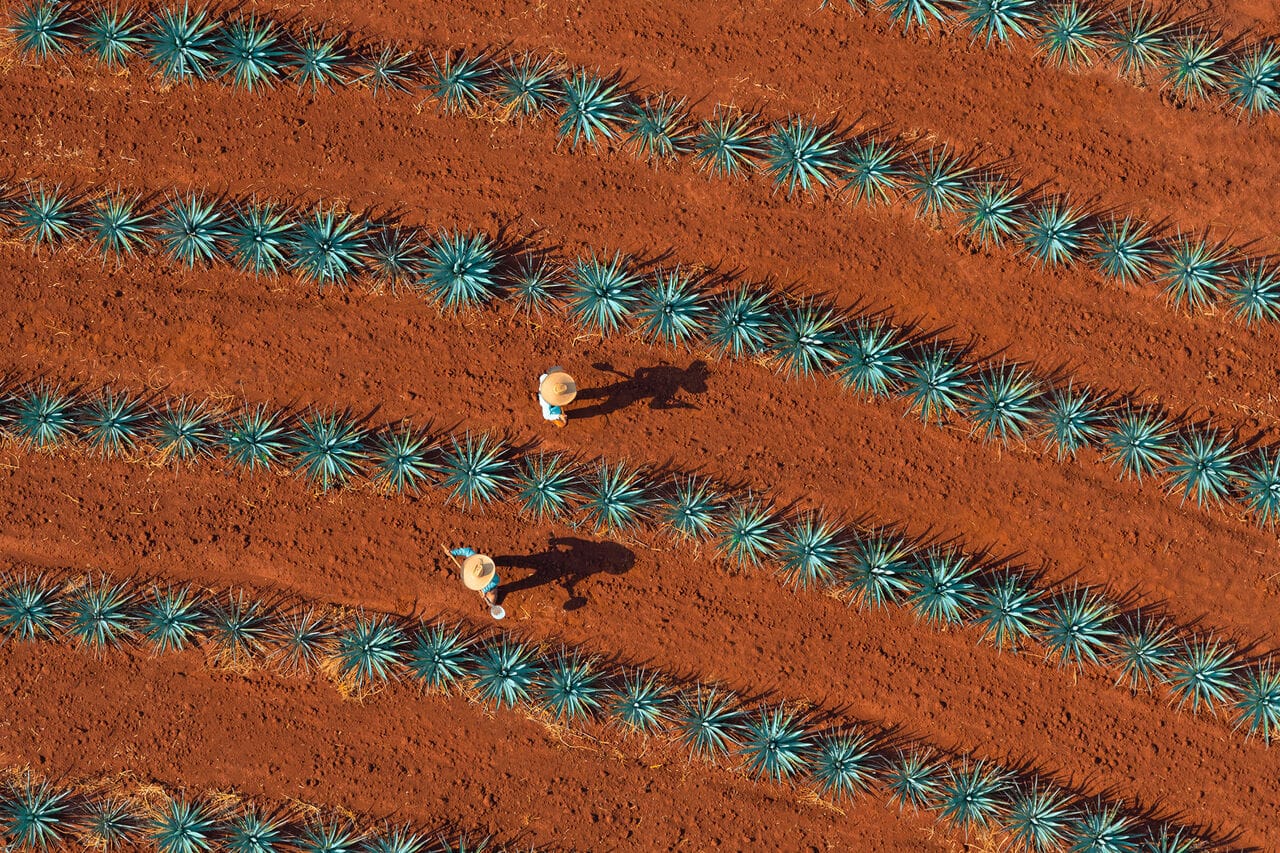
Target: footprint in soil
(567,561)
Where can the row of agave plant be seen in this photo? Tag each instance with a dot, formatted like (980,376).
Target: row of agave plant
(1078,627)
(992,209)
(40,815)
(1193,61)
(571,688)
(606,294)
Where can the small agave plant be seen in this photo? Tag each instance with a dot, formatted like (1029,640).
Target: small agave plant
(182,45)
(1124,251)
(993,213)
(913,778)
(1072,420)
(934,383)
(879,570)
(185,431)
(458,82)
(328,247)
(38,816)
(727,144)
(616,499)
(369,652)
(800,155)
(944,592)
(303,641)
(1139,39)
(915,13)
(505,672)
(775,745)
(1003,402)
(253,832)
(658,128)
(239,628)
(44,28)
(1257,703)
(870,359)
(999,20)
(47,217)
(810,551)
(1254,293)
(100,614)
(258,237)
(937,182)
(459,270)
(1202,466)
(749,531)
(1008,610)
(43,417)
(183,826)
(972,794)
(111,36)
(250,53)
(1253,80)
(1038,818)
(602,293)
(1203,674)
(1195,66)
(1139,441)
(1069,34)
(113,825)
(390,70)
(572,688)
(328,448)
(171,619)
(1143,650)
(871,171)
(547,485)
(1194,273)
(742,324)
(30,608)
(526,87)
(691,511)
(806,339)
(399,459)
(707,722)
(1260,487)
(318,61)
(592,109)
(441,658)
(843,764)
(1054,233)
(642,702)
(1078,627)
(190,228)
(672,308)
(117,226)
(535,285)
(475,469)
(255,438)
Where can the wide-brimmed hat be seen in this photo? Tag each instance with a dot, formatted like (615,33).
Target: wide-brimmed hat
(558,389)
(477,571)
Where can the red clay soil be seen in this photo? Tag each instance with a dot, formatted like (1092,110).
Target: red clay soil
(221,333)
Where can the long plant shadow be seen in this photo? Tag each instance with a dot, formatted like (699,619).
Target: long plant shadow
(661,385)
(567,561)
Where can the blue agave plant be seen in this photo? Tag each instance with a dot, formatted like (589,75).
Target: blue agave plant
(917,13)
(692,510)
(399,458)
(43,28)
(871,171)
(1253,81)
(972,796)
(396,257)
(99,614)
(799,154)
(1054,233)
(252,832)
(30,608)
(239,627)
(258,238)
(1124,251)
(1038,818)
(547,485)
(1103,829)
(727,144)
(601,292)
(171,619)
(658,128)
(1139,441)
(741,323)
(183,826)
(399,839)
(592,109)
(1000,20)
(117,227)
(304,640)
(458,83)
(112,423)
(46,216)
(112,825)
(1078,627)
(809,551)
(440,658)
(329,448)
(330,836)
(1195,66)
(870,359)
(43,416)
(327,248)
(526,87)
(505,672)
(749,532)
(672,309)
(255,438)
(369,652)
(389,70)
(318,61)
(459,270)
(1202,466)
(572,688)
(1143,650)
(844,764)
(111,35)
(993,213)
(879,571)
(1194,273)
(1069,34)
(182,45)
(806,339)
(189,229)
(475,470)
(642,702)
(616,499)
(184,431)
(1002,403)
(707,722)
(535,285)
(1203,673)
(1257,704)
(38,816)
(1260,487)
(1139,39)
(912,777)
(1255,295)
(1170,840)
(1072,420)
(937,182)
(944,592)
(251,54)
(1008,609)
(934,383)
(775,745)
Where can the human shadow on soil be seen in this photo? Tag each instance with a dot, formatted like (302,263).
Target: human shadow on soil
(567,561)
(662,385)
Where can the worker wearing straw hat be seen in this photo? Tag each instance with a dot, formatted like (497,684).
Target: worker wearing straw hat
(556,389)
(480,573)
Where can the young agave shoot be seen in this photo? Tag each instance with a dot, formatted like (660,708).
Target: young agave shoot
(707,722)
(399,458)
(369,652)
(1078,627)
(527,87)
(329,447)
(1055,234)
(459,270)
(475,469)
(616,499)
(871,171)
(1069,34)
(111,36)
(535,285)
(505,672)
(937,183)
(999,20)
(801,155)
(1194,273)
(775,745)
(1202,466)
(871,361)
(1253,81)
(1254,296)
(258,237)
(1124,251)
(879,572)
(112,423)
(441,658)
(642,703)
(546,485)
(1139,39)
(749,532)
(915,13)
(251,53)
(389,71)
(592,109)
(727,145)
(844,764)
(317,62)
(810,551)
(672,309)
(993,213)
(328,248)
(458,83)
(658,128)
(182,44)
(44,28)
(806,339)
(572,688)
(602,292)
(1196,66)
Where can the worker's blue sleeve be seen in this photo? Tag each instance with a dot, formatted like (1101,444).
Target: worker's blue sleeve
(463,552)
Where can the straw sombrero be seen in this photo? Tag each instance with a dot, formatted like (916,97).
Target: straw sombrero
(558,389)
(477,571)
